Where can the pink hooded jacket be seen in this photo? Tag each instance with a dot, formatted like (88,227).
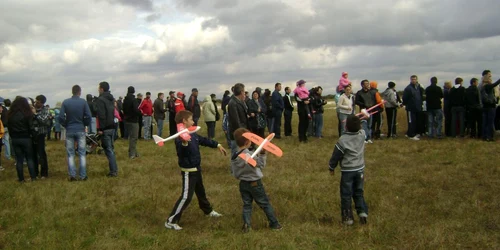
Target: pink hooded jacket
(343,82)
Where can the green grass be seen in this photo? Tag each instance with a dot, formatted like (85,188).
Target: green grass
(421,195)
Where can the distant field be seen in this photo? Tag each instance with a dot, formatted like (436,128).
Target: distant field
(424,194)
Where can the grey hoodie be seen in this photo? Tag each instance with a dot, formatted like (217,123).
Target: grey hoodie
(389,95)
(350,152)
(245,172)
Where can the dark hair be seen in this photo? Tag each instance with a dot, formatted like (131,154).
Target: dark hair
(159,94)
(486,71)
(41,98)
(458,80)
(89,98)
(277,84)
(238,89)
(353,123)
(148,93)
(104,86)
(20,104)
(473,80)
(434,80)
(255,91)
(226,93)
(362,82)
(413,76)
(391,85)
(7,102)
(183,114)
(287,88)
(76,90)
(239,138)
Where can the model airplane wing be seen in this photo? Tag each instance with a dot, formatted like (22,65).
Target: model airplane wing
(253,138)
(184,136)
(248,159)
(271,148)
(268,146)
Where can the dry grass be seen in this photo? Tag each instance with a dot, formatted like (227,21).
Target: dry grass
(426,194)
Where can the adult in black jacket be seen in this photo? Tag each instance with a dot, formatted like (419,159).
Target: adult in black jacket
(105,110)
(287,100)
(433,95)
(194,106)
(489,104)
(457,101)
(303,118)
(474,109)
(237,112)
(317,103)
(256,115)
(159,113)
(132,115)
(90,102)
(20,122)
(366,99)
(412,99)
(171,113)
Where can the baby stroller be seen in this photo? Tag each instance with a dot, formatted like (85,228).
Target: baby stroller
(93,144)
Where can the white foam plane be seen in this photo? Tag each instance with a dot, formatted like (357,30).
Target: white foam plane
(183,133)
(263,144)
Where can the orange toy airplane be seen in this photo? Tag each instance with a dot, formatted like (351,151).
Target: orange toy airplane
(263,144)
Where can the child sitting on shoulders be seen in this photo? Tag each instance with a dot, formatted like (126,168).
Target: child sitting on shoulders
(303,93)
(189,156)
(349,152)
(251,187)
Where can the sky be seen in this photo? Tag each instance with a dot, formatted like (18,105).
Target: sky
(48,46)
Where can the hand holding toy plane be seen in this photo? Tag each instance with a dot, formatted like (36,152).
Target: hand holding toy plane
(263,144)
(183,133)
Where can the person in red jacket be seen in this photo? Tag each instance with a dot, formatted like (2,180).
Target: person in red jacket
(179,102)
(146,108)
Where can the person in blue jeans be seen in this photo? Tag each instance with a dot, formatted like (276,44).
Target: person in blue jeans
(106,119)
(349,152)
(318,103)
(74,116)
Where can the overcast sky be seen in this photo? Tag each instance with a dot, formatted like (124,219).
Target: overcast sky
(47,46)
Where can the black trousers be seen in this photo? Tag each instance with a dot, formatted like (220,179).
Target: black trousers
(303,124)
(171,124)
(140,126)
(475,122)
(192,183)
(376,122)
(288,122)
(40,156)
(392,114)
(447,121)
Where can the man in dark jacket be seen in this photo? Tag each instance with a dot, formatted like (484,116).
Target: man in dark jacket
(278,106)
(194,106)
(105,109)
(474,107)
(434,94)
(489,103)
(171,113)
(412,99)
(457,101)
(237,113)
(132,115)
(41,123)
(366,99)
(287,100)
(159,112)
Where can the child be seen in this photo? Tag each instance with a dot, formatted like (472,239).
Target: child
(303,93)
(349,151)
(343,82)
(251,187)
(190,163)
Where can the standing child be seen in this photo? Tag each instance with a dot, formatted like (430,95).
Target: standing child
(303,93)
(190,163)
(349,151)
(251,187)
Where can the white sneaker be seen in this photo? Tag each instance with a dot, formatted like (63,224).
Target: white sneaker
(417,135)
(2,168)
(172,226)
(414,138)
(370,141)
(214,214)
(366,142)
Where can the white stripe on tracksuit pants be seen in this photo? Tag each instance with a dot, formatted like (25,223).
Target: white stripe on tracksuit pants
(192,183)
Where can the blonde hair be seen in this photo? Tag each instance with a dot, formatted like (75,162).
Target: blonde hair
(447,84)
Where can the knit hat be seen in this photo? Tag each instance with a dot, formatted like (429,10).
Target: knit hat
(300,82)
(180,94)
(344,73)
(391,85)
(131,90)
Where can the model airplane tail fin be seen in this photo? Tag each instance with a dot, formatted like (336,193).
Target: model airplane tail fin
(157,139)
(248,159)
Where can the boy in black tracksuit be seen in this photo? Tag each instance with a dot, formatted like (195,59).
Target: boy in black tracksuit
(190,163)
(474,109)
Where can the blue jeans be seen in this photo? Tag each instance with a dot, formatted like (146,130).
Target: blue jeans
(159,124)
(342,118)
(79,137)
(351,187)
(109,150)
(367,125)
(318,121)
(93,125)
(6,143)
(435,122)
(24,150)
(277,122)
(146,121)
(254,190)
(270,124)
(488,123)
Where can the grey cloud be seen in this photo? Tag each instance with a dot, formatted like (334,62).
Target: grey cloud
(153,17)
(140,4)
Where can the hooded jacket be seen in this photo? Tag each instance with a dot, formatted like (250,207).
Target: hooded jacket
(343,82)
(209,109)
(457,96)
(105,111)
(131,108)
(473,98)
(433,96)
(390,97)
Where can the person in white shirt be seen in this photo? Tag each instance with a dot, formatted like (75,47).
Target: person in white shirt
(346,106)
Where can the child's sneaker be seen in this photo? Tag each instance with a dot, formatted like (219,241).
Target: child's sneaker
(347,218)
(277,227)
(172,226)
(246,228)
(214,214)
(363,218)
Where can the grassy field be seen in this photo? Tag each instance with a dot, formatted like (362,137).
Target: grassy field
(424,194)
